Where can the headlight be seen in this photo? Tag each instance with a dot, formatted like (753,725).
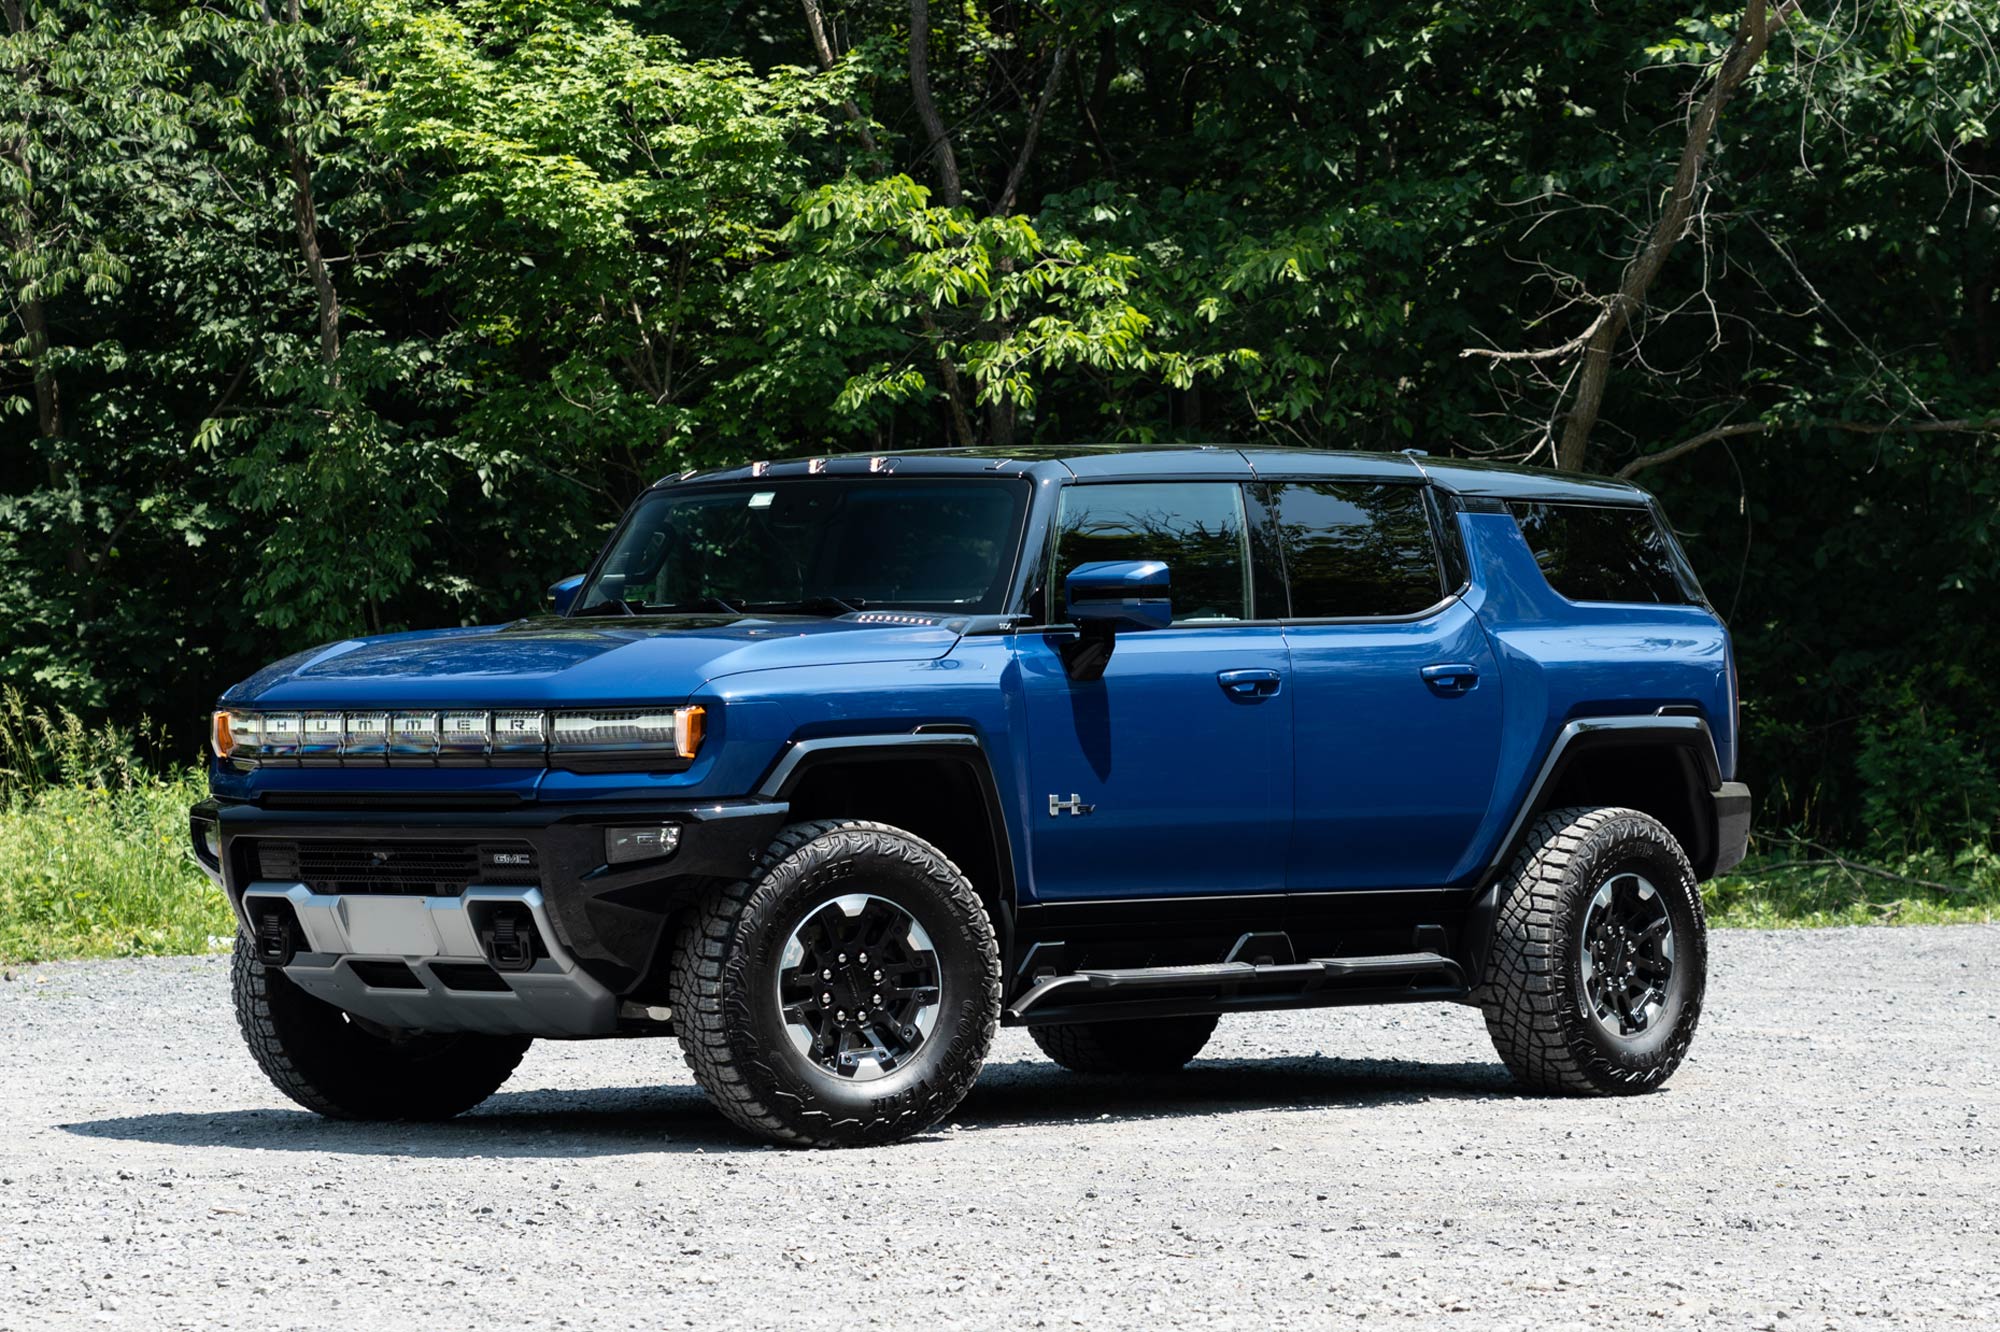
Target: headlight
(593,740)
(674,732)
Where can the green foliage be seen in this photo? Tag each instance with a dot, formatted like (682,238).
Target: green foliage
(370,314)
(877,279)
(1924,782)
(94,858)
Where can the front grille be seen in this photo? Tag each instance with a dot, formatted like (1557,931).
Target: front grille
(408,868)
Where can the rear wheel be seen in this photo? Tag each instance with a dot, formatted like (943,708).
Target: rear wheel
(1159,1045)
(1599,960)
(345,1068)
(845,993)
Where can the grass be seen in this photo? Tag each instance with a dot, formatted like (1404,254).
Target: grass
(1786,893)
(106,871)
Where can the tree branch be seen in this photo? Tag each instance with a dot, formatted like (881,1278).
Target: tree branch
(1005,204)
(822,48)
(1966,425)
(1543,354)
(920,92)
(954,393)
(1753,38)
(305,214)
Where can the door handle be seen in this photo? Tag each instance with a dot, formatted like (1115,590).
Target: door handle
(1451,679)
(1254,683)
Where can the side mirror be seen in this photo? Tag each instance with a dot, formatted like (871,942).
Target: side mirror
(1122,594)
(1108,597)
(563,593)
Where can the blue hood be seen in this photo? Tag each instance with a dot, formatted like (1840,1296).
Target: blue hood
(573,663)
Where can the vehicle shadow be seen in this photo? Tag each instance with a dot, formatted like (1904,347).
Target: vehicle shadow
(617,1121)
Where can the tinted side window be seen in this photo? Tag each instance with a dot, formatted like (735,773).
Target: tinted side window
(1593,553)
(1196,527)
(1352,548)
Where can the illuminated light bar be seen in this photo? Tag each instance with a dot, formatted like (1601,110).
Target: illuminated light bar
(282,736)
(413,735)
(598,739)
(463,736)
(366,738)
(247,732)
(520,737)
(616,730)
(324,732)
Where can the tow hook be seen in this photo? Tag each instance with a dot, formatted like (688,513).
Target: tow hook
(508,940)
(275,938)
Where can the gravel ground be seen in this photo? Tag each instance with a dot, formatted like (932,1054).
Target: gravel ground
(1827,1158)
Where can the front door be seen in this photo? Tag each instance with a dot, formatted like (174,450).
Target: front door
(1172,774)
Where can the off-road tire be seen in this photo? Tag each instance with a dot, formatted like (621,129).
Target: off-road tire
(1156,1045)
(1532,988)
(342,1068)
(724,988)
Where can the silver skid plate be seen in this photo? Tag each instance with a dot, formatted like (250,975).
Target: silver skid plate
(555,998)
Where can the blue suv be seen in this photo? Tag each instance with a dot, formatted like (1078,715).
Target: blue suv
(830,767)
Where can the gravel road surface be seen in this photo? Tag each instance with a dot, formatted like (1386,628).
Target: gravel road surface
(1829,1157)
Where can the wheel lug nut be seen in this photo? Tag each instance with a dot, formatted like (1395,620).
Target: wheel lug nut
(826,975)
(841,1016)
(878,975)
(842,959)
(878,1001)
(826,998)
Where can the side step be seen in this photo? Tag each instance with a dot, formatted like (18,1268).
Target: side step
(1102,994)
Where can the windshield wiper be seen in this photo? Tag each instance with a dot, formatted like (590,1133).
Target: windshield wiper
(701,603)
(823,604)
(608,604)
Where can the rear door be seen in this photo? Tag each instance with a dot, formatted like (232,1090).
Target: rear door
(1171,775)
(1395,694)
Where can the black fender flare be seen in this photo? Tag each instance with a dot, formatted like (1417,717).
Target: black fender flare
(1685,734)
(955,745)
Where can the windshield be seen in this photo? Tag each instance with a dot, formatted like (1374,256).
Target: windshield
(820,546)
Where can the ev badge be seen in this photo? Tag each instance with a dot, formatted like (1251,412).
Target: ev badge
(1073,805)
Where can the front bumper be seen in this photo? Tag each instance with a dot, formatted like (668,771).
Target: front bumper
(597,926)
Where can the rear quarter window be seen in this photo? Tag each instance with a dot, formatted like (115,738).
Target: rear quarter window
(1592,552)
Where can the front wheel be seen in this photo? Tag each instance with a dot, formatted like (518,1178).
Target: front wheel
(1599,959)
(846,993)
(342,1067)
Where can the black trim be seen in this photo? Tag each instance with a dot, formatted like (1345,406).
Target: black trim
(802,755)
(949,742)
(1689,736)
(1732,825)
(1584,733)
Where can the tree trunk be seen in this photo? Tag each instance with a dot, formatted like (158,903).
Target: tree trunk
(949,192)
(305,213)
(1753,37)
